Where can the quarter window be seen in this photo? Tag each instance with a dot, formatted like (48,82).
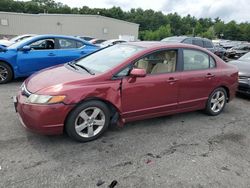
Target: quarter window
(79,44)
(212,63)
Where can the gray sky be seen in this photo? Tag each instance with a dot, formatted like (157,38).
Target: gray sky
(227,10)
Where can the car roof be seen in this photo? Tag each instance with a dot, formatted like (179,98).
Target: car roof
(58,36)
(37,37)
(160,44)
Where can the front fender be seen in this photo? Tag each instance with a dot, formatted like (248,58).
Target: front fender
(10,57)
(110,92)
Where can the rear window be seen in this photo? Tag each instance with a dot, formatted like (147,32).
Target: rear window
(188,41)
(198,42)
(208,44)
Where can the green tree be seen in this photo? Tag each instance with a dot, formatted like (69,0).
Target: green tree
(160,33)
(154,25)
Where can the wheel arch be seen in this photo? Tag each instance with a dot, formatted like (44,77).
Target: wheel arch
(227,91)
(114,110)
(110,105)
(7,63)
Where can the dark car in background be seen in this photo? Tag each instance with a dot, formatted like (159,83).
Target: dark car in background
(97,41)
(243,64)
(220,51)
(238,51)
(198,41)
(87,38)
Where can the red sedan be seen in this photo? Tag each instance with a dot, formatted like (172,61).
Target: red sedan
(124,83)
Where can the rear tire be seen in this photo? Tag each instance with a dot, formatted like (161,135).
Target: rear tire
(6,73)
(88,121)
(216,102)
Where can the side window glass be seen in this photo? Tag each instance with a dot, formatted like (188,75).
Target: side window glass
(198,42)
(188,41)
(195,60)
(44,44)
(208,44)
(67,43)
(158,62)
(212,63)
(124,72)
(79,44)
(117,42)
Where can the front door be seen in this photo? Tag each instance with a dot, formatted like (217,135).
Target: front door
(41,55)
(156,93)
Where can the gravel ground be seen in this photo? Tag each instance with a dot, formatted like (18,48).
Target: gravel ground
(184,150)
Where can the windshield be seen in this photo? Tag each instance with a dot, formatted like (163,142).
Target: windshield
(17,44)
(17,38)
(246,57)
(108,58)
(108,42)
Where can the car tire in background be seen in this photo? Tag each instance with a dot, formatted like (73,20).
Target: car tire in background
(88,121)
(216,102)
(6,73)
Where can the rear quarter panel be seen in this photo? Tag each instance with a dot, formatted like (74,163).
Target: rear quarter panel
(228,77)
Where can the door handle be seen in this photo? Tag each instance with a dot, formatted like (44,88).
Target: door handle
(172,80)
(82,52)
(209,75)
(51,54)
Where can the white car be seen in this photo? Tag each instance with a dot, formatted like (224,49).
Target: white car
(7,43)
(111,42)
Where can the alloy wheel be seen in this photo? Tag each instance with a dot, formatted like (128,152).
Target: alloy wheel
(218,101)
(3,73)
(90,122)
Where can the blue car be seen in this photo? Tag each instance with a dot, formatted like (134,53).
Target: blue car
(35,53)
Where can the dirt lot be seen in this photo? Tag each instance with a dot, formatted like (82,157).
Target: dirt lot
(185,150)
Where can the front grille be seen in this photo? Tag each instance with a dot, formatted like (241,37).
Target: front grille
(25,91)
(243,77)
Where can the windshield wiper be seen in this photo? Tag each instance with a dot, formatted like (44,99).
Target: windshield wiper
(85,68)
(72,64)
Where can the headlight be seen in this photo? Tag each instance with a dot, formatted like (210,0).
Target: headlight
(45,99)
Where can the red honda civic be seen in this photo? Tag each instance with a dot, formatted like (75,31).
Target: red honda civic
(123,83)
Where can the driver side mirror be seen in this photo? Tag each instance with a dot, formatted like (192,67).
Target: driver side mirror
(135,72)
(26,48)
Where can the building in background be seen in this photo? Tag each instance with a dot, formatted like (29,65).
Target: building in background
(97,26)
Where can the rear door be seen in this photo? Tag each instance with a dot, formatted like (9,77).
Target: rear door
(70,49)
(198,80)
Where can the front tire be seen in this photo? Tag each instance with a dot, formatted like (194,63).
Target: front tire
(88,121)
(6,73)
(216,102)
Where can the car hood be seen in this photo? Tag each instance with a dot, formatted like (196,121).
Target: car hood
(243,66)
(53,79)
(5,42)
